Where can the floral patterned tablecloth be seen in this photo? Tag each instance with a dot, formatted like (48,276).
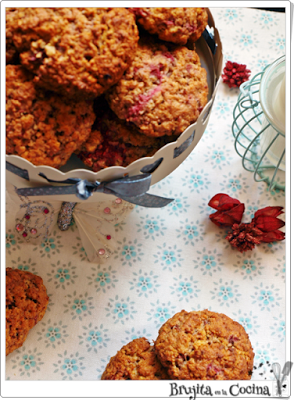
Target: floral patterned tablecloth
(166,259)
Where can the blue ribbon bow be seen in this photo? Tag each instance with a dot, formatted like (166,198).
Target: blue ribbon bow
(131,188)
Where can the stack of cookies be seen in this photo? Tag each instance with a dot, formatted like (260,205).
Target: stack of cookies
(196,345)
(109,84)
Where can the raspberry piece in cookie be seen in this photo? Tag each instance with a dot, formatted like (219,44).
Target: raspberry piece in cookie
(204,345)
(162,92)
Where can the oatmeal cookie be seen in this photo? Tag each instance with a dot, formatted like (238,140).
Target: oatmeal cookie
(135,361)
(163,91)
(79,52)
(43,127)
(173,24)
(11,51)
(204,345)
(26,304)
(114,142)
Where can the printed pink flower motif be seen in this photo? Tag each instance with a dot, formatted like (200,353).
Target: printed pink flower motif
(229,210)
(235,74)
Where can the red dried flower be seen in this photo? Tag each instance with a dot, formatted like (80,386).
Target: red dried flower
(235,74)
(266,220)
(264,227)
(244,236)
(229,210)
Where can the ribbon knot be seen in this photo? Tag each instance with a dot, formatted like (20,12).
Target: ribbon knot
(129,188)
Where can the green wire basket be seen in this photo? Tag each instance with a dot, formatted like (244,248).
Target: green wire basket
(248,127)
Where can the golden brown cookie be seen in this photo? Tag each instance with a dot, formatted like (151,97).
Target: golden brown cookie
(163,91)
(204,345)
(79,52)
(26,304)
(43,127)
(173,24)
(114,142)
(135,361)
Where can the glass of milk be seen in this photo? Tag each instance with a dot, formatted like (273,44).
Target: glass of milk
(272,101)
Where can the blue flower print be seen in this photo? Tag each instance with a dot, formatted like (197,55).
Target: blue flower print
(168,257)
(251,210)
(234,184)
(248,321)
(222,107)
(48,244)
(191,231)
(266,18)
(179,205)
(94,337)
(208,261)
(225,293)
(70,367)
(231,14)
(79,306)
(129,252)
(62,275)
(246,40)
(53,334)
(262,64)
(120,310)
(195,181)
(248,267)
(28,361)
(144,283)
(152,227)
(280,43)
(185,288)
(10,240)
(160,312)
(266,297)
(103,279)
(218,156)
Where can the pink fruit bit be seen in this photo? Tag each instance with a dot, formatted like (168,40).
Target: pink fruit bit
(101,252)
(142,101)
(24,234)
(106,210)
(33,231)
(118,200)
(19,227)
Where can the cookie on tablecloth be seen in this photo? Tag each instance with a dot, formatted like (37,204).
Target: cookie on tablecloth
(135,361)
(26,304)
(78,52)
(204,345)
(173,24)
(163,91)
(114,142)
(41,126)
